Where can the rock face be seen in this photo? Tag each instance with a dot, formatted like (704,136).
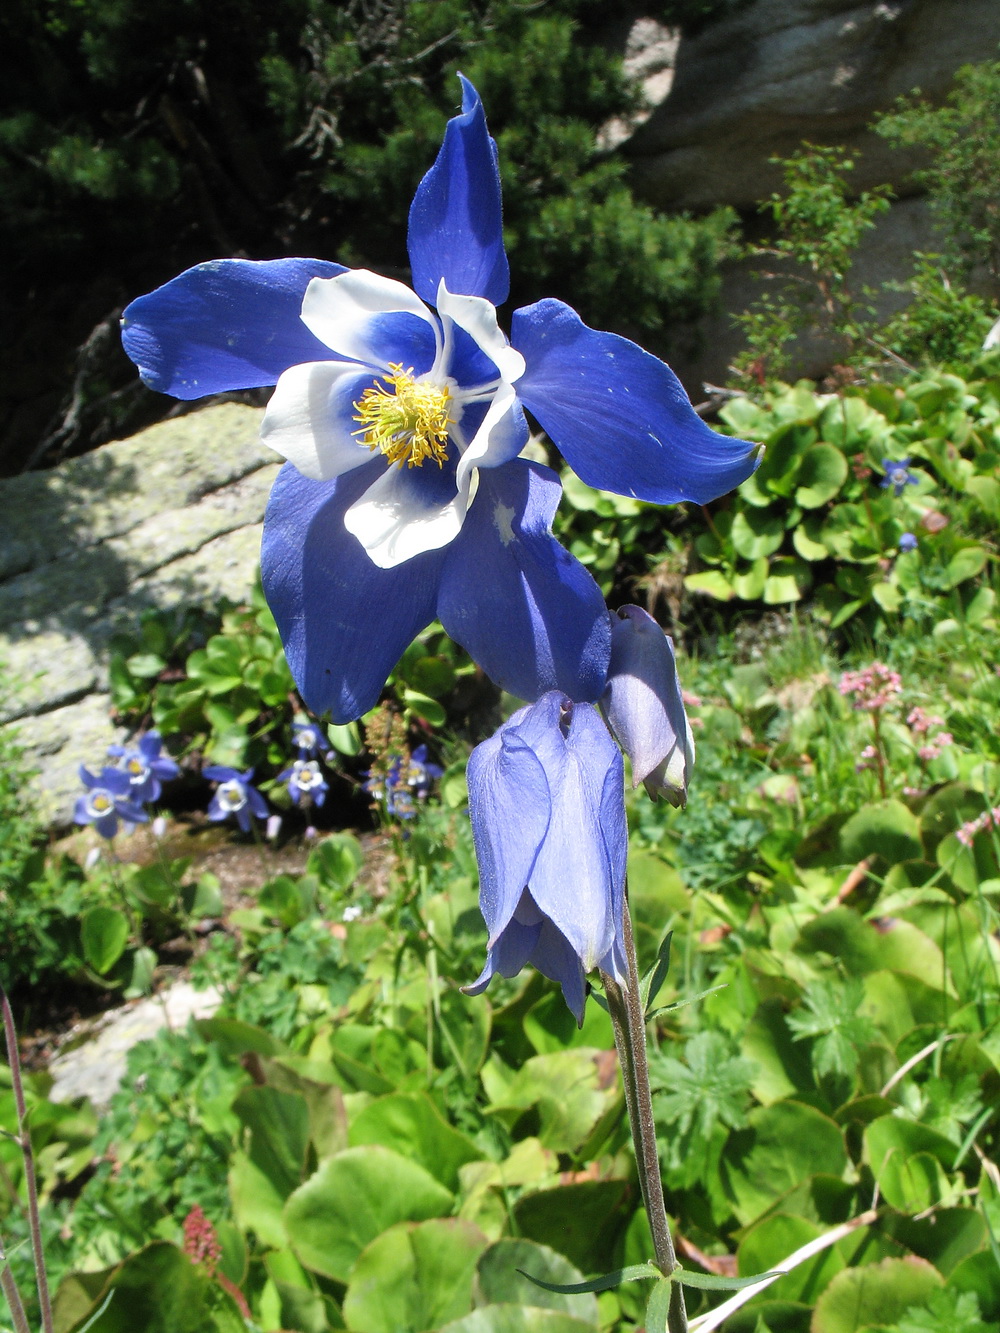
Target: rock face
(169,517)
(755,84)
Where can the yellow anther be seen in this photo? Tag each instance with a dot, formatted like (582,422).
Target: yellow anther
(409,422)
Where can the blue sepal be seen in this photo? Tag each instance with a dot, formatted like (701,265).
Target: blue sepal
(344,622)
(524,608)
(228,324)
(619,416)
(455,227)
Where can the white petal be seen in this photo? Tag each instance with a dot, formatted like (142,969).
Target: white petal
(498,438)
(310,417)
(394,522)
(478,317)
(346,313)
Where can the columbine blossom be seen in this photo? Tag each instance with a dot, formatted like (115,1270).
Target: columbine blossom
(644,706)
(908,542)
(234,796)
(401,413)
(897,475)
(548,818)
(305,782)
(109,797)
(407,780)
(307,738)
(146,767)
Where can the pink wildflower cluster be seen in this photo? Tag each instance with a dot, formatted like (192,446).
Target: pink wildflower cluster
(920,723)
(866,758)
(871,688)
(968,831)
(202,1246)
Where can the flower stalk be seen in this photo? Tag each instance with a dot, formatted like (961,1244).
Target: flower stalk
(629,1022)
(24,1143)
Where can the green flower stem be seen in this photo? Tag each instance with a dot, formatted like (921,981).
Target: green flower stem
(12,1296)
(24,1142)
(629,1022)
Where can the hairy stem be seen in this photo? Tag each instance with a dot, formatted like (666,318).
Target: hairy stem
(629,1021)
(31,1185)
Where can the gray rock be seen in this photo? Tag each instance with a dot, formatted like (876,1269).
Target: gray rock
(93,1063)
(170,517)
(755,84)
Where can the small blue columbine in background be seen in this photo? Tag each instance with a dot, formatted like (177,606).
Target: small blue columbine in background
(109,798)
(235,796)
(401,412)
(644,707)
(305,782)
(546,800)
(908,542)
(897,475)
(307,738)
(146,767)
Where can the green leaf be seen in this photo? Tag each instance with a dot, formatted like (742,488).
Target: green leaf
(425,707)
(278,1128)
(875,1294)
(750,584)
(346,1203)
(344,738)
(414,1276)
(604,1283)
(909,1161)
(788,580)
(886,829)
(806,541)
(518,1319)
(336,861)
(411,1124)
(104,934)
(563,1089)
(522,1272)
(714,1282)
(658,1306)
(829,1015)
(822,473)
(964,564)
(757,532)
(586,1217)
(711,582)
(782,1146)
(771,1241)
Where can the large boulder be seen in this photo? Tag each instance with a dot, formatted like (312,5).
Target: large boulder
(756,83)
(169,517)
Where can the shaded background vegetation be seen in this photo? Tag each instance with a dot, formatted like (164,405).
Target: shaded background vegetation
(138,139)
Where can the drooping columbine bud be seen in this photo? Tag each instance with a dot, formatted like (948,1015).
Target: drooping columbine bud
(642,705)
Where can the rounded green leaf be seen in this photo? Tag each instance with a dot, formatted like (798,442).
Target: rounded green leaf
(410,1123)
(806,541)
(352,1198)
(782,1146)
(750,584)
(499,1281)
(104,935)
(414,1276)
(788,580)
(757,532)
(821,475)
(908,1160)
(712,582)
(964,564)
(875,1294)
(887,829)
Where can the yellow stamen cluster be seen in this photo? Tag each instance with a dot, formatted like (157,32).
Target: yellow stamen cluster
(407,422)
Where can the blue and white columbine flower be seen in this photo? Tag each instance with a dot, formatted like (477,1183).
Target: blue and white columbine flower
(547,807)
(147,768)
(234,796)
(109,797)
(307,738)
(897,475)
(305,781)
(401,414)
